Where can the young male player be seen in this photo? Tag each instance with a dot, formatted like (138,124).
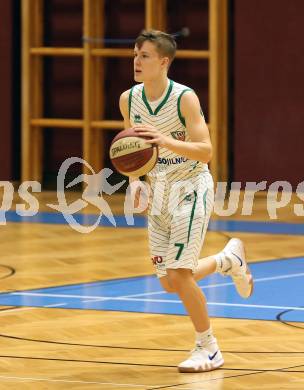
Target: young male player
(182,190)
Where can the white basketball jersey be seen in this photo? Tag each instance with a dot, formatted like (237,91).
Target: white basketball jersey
(167,118)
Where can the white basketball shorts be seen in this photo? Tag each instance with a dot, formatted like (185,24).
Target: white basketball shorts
(179,214)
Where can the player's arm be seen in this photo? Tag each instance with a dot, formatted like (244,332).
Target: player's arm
(199,148)
(124,108)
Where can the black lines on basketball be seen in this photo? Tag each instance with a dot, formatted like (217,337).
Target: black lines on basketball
(131,155)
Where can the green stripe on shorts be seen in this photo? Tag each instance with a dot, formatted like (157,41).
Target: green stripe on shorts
(192,216)
(205,209)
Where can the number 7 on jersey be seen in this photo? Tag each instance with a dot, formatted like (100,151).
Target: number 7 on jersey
(180,250)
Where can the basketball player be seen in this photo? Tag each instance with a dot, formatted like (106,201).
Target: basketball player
(182,190)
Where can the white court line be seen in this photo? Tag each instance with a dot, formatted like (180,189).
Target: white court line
(92,298)
(221,284)
(58,295)
(56,304)
(30,308)
(217,304)
(96,299)
(18,309)
(74,381)
(257,306)
(145,387)
(178,301)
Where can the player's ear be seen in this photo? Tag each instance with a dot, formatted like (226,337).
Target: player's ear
(165,62)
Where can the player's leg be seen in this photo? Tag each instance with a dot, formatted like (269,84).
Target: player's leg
(204,205)
(188,228)
(231,261)
(227,263)
(206,355)
(158,243)
(206,266)
(165,282)
(191,295)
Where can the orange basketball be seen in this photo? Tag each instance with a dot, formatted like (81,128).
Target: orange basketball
(130,155)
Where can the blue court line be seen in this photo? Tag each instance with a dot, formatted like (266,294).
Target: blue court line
(257,227)
(83,219)
(140,221)
(144,294)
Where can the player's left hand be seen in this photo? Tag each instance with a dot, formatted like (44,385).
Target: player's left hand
(156,136)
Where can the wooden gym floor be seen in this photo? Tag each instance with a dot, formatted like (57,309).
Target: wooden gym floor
(74,337)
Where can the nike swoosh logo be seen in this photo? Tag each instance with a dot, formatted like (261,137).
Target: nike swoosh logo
(212,356)
(238,258)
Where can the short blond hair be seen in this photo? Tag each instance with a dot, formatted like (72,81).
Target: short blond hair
(165,43)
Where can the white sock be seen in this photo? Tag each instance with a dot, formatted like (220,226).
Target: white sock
(223,264)
(204,339)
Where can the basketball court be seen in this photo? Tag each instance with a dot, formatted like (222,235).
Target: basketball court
(95,316)
(80,305)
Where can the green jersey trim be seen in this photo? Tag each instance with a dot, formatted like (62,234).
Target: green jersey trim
(181,118)
(192,216)
(130,101)
(161,104)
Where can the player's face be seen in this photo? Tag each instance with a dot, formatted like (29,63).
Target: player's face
(148,64)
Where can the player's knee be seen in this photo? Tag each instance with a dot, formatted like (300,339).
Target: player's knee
(169,289)
(177,277)
(166,284)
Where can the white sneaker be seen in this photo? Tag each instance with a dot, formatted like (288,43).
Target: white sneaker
(238,269)
(201,360)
